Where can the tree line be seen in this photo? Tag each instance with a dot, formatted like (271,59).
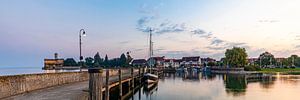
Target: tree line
(237,57)
(97,61)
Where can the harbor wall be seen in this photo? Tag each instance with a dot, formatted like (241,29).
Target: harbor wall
(17,84)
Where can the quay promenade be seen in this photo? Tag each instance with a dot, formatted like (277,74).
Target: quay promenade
(18,87)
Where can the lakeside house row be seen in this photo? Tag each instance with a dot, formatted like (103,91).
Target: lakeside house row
(197,61)
(193,61)
(162,61)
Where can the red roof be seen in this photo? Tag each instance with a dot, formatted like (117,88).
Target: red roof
(159,58)
(208,59)
(177,60)
(187,59)
(169,60)
(139,61)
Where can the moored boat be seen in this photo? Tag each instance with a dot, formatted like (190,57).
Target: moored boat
(150,78)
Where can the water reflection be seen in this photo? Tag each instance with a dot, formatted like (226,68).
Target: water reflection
(235,84)
(190,76)
(150,89)
(195,86)
(207,76)
(267,83)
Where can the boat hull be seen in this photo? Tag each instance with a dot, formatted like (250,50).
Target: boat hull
(150,78)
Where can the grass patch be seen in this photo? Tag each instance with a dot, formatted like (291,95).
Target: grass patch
(291,71)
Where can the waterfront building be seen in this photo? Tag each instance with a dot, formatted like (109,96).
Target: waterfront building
(53,63)
(172,63)
(158,61)
(194,61)
(207,60)
(139,62)
(177,63)
(279,62)
(251,61)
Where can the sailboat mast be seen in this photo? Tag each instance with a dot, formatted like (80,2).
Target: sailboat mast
(150,44)
(151,49)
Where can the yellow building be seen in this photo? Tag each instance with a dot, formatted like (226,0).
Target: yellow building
(53,63)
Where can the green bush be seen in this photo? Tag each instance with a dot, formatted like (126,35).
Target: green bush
(252,68)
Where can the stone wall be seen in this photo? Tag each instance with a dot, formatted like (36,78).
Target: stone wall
(16,84)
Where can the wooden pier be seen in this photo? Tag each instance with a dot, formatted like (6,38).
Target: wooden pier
(100,85)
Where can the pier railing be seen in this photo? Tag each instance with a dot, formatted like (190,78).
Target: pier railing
(102,80)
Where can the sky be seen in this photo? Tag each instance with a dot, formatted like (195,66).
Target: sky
(31,30)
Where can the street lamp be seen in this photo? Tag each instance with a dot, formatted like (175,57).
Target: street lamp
(81,33)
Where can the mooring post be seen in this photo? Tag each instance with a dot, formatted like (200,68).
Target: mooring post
(132,77)
(107,85)
(95,83)
(120,83)
(143,70)
(140,78)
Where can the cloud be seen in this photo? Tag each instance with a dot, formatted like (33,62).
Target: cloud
(297,46)
(268,21)
(136,50)
(142,23)
(219,44)
(167,27)
(180,54)
(297,37)
(149,10)
(124,42)
(215,48)
(216,41)
(159,50)
(150,15)
(164,27)
(202,33)
(255,52)
(199,31)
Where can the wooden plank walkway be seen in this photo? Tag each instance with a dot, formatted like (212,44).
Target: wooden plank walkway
(72,91)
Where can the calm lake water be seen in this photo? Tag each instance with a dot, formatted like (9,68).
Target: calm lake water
(199,86)
(27,70)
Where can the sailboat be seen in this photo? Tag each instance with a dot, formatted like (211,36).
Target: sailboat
(149,77)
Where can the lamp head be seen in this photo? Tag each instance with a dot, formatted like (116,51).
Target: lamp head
(83,33)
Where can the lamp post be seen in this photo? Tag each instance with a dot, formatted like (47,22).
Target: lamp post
(81,33)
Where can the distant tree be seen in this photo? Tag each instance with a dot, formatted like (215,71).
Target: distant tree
(106,62)
(266,58)
(70,62)
(97,60)
(122,60)
(114,62)
(89,62)
(294,60)
(211,64)
(285,62)
(82,64)
(236,57)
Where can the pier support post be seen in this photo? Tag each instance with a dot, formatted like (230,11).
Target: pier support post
(132,78)
(120,83)
(95,83)
(143,70)
(107,85)
(140,76)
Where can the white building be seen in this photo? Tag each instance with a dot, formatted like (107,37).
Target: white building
(173,63)
(194,61)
